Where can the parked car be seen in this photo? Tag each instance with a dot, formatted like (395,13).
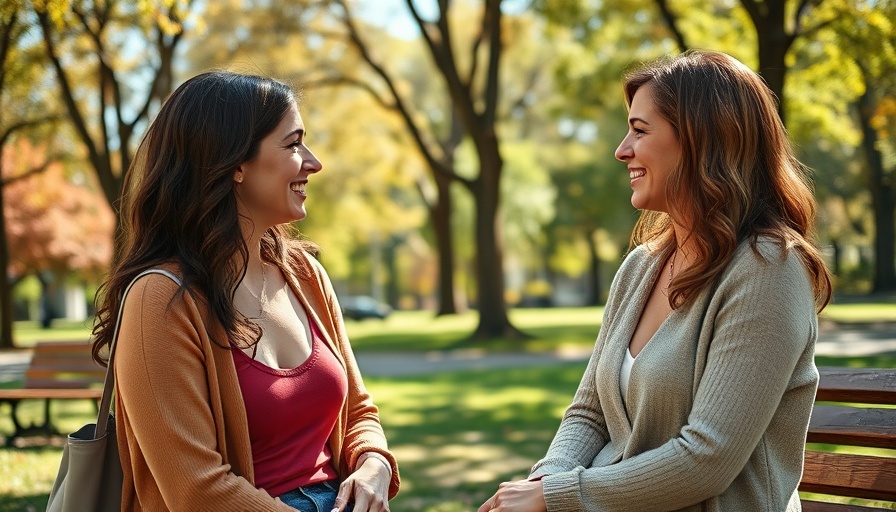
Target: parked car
(360,307)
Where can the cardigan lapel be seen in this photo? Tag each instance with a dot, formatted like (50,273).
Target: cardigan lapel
(636,289)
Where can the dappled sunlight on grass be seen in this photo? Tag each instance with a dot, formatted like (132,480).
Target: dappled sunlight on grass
(860,312)
(420,331)
(458,435)
(27,333)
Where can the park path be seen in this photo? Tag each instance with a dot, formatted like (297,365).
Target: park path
(833,340)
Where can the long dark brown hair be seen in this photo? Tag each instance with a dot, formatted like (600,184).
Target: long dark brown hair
(738,177)
(178,203)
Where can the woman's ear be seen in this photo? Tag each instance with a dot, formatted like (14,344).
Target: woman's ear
(238,176)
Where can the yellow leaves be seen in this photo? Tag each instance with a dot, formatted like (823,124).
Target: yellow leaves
(168,15)
(59,11)
(884,117)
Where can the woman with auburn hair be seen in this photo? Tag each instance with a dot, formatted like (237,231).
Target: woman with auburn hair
(698,394)
(236,385)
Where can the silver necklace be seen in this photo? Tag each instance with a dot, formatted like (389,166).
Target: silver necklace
(671,267)
(262,298)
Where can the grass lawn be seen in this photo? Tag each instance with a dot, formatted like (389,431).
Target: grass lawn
(457,435)
(548,328)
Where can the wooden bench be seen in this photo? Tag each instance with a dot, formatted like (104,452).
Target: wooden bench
(58,371)
(840,474)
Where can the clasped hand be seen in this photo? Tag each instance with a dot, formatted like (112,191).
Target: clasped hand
(368,485)
(519,496)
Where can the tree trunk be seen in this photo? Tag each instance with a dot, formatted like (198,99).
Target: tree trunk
(392,284)
(441,221)
(6,339)
(883,201)
(774,42)
(594,298)
(493,320)
(47,309)
(836,256)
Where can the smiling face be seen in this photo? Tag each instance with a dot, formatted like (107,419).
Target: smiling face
(270,188)
(651,151)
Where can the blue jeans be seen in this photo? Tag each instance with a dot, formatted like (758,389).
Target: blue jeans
(313,498)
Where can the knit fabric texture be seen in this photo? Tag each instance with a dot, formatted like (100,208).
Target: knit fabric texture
(181,421)
(718,403)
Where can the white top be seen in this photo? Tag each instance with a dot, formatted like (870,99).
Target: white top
(625,373)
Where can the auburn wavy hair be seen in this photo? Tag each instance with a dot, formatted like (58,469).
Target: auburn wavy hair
(178,203)
(738,178)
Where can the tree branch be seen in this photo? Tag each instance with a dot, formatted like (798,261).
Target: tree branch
(752,7)
(65,84)
(493,16)
(474,53)
(443,56)
(7,133)
(354,82)
(672,23)
(400,105)
(30,172)
(7,36)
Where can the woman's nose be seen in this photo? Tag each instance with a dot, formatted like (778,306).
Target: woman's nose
(310,162)
(624,151)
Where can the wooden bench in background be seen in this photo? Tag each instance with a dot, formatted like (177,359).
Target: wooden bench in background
(846,423)
(58,371)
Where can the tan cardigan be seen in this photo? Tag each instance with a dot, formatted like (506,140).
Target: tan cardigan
(718,402)
(182,430)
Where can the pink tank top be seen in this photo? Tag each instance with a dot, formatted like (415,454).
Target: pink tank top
(291,414)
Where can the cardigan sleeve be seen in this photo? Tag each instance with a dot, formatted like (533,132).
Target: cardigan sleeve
(762,327)
(583,429)
(363,432)
(164,396)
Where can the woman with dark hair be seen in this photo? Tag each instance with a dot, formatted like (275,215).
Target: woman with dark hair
(236,385)
(698,394)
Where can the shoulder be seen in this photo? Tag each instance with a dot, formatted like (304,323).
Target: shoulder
(770,270)
(766,255)
(637,258)
(301,261)
(635,267)
(635,264)
(158,292)
(162,283)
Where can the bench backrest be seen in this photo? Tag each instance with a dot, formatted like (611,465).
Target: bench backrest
(63,365)
(848,423)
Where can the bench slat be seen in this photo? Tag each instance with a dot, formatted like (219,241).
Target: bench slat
(853,426)
(62,347)
(856,476)
(861,385)
(24,394)
(819,506)
(50,384)
(63,371)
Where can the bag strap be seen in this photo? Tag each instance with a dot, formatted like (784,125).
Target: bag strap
(102,418)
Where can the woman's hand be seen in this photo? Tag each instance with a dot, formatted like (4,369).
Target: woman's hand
(369,485)
(519,496)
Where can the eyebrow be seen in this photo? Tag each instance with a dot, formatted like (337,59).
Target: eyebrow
(299,131)
(634,120)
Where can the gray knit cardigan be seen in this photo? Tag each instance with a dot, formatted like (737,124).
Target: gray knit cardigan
(718,403)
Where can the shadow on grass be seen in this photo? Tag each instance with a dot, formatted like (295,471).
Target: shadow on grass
(32,503)
(883,360)
(458,435)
